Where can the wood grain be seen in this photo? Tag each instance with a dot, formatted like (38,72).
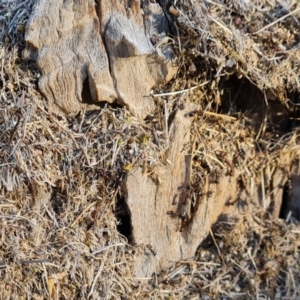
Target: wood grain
(108,46)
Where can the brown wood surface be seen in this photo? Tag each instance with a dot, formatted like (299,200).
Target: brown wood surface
(150,201)
(104,51)
(64,39)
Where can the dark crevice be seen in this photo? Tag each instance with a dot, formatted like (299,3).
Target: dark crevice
(87,98)
(290,205)
(58,201)
(107,48)
(124,220)
(284,210)
(243,98)
(109,52)
(86,95)
(165,5)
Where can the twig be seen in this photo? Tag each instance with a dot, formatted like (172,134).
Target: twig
(27,117)
(251,258)
(204,263)
(239,266)
(216,244)
(182,91)
(83,212)
(222,26)
(262,128)
(6,205)
(217,279)
(209,113)
(263,192)
(217,4)
(34,261)
(166,119)
(276,21)
(82,118)
(172,274)
(213,158)
(287,220)
(19,116)
(97,275)
(47,281)
(106,247)
(138,278)
(59,125)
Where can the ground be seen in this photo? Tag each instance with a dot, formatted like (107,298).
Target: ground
(61,203)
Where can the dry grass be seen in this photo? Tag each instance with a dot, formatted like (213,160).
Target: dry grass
(255,260)
(60,177)
(59,183)
(258,40)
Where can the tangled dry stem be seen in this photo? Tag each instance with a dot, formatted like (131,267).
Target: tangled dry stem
(60,177)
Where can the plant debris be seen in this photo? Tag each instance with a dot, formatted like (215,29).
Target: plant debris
(60,177)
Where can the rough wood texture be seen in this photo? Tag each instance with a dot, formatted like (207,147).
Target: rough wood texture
(134,63)
(149,202)
(63,37)
(66,40)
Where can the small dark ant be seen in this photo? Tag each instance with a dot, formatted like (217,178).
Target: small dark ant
(193,113)
(184,211)
(182,216)
(242,153)
(235,161)
(215,177)
(186,196)
(209,194)
(224,159)
(183,223)
(288,186)
(172,214)
(151,249)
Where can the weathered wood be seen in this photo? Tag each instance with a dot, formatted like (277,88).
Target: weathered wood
(112,57)
(134,63)
(150,201)
(63,37)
